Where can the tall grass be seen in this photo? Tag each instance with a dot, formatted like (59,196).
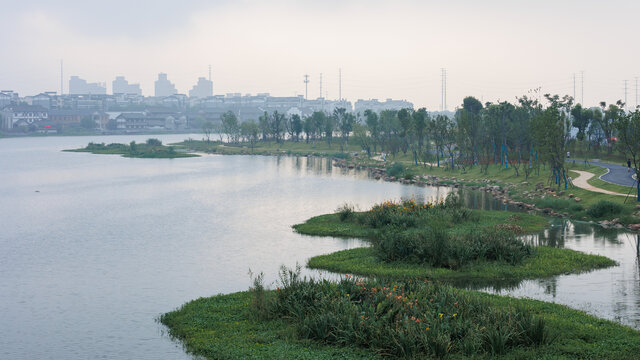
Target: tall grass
(409,319)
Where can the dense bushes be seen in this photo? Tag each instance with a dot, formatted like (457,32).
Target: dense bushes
(396,169)
(401,319)
(435,247)
(421,233)
(604,208)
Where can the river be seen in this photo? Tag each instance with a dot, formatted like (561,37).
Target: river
(96,247)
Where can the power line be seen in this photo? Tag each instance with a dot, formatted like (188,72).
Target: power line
(306,86)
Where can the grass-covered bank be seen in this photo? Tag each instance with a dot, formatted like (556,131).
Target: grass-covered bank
(399,255)
(228,327)
(151,149)
(546,262)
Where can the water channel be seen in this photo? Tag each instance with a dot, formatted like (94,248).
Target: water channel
(95,247)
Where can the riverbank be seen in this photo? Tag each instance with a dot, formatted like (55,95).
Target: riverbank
(529,192)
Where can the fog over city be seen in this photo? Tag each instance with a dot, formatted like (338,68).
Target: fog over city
(494,50)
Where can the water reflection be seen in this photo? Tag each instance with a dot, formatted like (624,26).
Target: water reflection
(612,293)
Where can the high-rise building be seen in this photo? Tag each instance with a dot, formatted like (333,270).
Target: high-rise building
(122,86)
(78,86)
(203,89)
(164,87)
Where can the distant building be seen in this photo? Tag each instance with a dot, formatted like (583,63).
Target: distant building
(121,86)
(43,99)
(203,89)
(164,87)
(78,86)
(374,105)
(14,116)
(7,97)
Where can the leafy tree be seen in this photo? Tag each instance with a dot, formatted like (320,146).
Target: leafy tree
(551,129)
(230,126)
(308,128)
(371,119)
(265,126)
(250,131)
(296,126)
(628,127)
(207,129)
(610,115)
(345,122)
(277,122)
(468,119)
(154,142)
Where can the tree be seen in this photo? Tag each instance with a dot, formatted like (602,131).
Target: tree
(154,142)
(628,127)
(371,119)
(308,128)
(581,119)
(230,126)
(250,130)
(265,127)
(207,129)
(87,122)
(345,122)
(610,115)
(551,130)
(360,133)
(296,125)
(468,120)
(277,121)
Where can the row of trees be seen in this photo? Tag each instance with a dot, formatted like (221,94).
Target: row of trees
(522,135)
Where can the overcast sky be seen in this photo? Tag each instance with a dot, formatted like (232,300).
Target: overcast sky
(492,49)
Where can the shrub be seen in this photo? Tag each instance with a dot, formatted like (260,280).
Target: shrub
(403,319)
(345,212)
(154,142)
(554,203)
(433,246)
(396,169)
(604,208)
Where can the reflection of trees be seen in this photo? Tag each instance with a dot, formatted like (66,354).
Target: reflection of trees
(606,235)
(550,286)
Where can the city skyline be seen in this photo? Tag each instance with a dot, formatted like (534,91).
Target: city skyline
(384,51)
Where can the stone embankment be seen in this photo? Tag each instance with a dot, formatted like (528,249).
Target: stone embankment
(498,189)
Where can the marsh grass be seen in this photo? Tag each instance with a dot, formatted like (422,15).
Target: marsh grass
(400,319)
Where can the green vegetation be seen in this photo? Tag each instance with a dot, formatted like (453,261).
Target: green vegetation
(306,319)
(153,148)
(412,240)
(546,262)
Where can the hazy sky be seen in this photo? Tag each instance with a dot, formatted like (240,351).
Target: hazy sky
(492,49)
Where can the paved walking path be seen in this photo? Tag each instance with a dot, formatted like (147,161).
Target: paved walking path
(617,174)
(581,182)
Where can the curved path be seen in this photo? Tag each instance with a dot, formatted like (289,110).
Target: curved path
(617,174)
(581,182)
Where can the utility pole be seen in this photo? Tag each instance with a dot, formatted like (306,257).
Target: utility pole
(443,88)
(625,95)
(320,84)
(636,92)
(340,84)
(306,86)
(582,88)
(574,87)
(209,72)
(61,79)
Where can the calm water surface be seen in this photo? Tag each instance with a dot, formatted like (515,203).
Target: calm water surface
(95,247)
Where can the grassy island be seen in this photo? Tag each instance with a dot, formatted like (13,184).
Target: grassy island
(443,242)
(399,311)
(151,149)
(356,319)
